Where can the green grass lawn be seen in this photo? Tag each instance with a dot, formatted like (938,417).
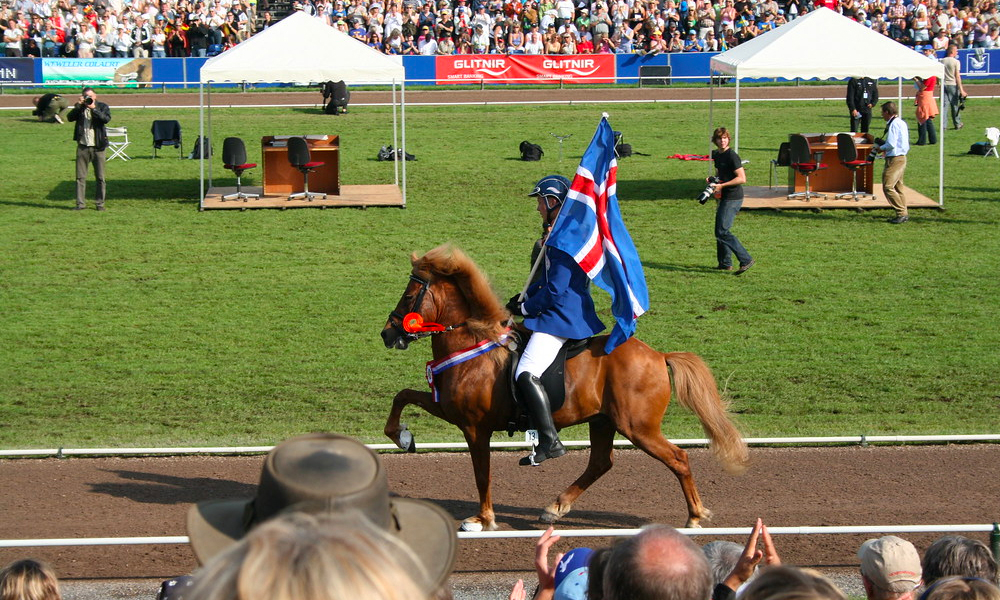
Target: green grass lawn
(157,324)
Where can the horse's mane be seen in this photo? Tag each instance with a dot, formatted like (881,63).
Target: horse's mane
(488,315)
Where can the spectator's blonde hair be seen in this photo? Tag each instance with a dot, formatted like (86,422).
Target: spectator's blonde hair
(301,556)
(961,588)
(28,580)
(791,583)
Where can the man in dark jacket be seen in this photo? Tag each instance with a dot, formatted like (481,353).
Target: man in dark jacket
(91,138)
(862,95)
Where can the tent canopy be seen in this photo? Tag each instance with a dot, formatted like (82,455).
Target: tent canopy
(824,45)
(303,49)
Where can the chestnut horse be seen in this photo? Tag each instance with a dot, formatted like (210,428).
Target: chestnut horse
(626,391)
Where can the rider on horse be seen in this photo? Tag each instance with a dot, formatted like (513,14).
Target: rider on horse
(557,307)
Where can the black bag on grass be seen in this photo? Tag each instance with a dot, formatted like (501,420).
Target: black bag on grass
(531,151)
(202,148)
(979,148)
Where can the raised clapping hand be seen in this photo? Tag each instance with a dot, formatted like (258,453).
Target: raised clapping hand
(751,557)
(546,572)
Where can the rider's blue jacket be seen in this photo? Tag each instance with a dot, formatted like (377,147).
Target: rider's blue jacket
(559,303)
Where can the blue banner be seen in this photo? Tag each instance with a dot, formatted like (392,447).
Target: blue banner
(17,70)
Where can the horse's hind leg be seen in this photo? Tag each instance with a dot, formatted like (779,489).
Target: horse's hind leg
(676,459)
(602,435)
(424,400)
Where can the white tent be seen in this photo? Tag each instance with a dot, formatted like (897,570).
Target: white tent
(302,49)
(824,44)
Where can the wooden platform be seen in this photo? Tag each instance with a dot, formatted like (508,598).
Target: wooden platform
(356,196)
(764,197)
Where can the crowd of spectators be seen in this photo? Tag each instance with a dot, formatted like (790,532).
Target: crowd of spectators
(159,28)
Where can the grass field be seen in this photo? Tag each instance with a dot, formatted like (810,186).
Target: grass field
(156,324)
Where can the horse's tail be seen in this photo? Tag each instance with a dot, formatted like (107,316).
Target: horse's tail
(697,391)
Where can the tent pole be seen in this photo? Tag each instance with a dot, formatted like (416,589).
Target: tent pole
(941,128)
(395,134)
(201,131)
(402,112)
(711,117)
(736,142)
(208,94)
(899,93)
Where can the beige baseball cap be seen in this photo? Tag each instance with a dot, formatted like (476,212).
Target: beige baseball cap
(891,563)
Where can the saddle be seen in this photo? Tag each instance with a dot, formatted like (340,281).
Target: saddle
(553,379)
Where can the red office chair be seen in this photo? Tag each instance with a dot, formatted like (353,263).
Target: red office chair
(299,157)
(234,158)
(848,153)
(804,162)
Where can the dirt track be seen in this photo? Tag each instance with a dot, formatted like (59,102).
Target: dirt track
(117,497)
(502,95)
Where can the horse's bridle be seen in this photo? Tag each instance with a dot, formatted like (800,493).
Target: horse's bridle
(396,318)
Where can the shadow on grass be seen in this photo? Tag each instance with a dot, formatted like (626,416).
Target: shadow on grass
(158,488)
(660,189)
(184,191)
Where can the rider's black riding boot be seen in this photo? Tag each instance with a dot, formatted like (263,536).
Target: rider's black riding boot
(537,402)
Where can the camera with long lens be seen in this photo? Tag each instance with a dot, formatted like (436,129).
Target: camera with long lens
(709,189)
(88,101)
(873,153)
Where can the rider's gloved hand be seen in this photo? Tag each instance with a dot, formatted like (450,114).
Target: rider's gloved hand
(514,305)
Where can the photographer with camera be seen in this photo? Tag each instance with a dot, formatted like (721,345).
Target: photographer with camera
(727,186)
(954,91)
(895,146)
(91,139)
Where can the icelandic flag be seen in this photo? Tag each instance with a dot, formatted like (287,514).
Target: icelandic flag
(590,229)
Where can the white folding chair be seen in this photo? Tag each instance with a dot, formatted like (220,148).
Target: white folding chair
(993,136)
(118,142)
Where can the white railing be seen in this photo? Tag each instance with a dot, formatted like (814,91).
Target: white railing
(460,446)
(992,528)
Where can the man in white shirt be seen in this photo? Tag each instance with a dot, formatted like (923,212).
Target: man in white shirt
(565,10)
(895,146)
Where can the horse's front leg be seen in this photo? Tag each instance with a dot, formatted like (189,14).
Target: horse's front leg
(479,449)
(424,400)
(602,435)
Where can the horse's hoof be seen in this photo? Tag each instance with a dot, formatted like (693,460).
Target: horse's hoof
(405,440)
(548,517)
(473,526)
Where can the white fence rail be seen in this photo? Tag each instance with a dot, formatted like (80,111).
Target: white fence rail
(993,528)
(461,446)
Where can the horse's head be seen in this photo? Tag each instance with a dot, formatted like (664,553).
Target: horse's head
(396,334)
(446,286)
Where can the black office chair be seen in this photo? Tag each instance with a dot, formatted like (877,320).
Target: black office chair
(847,151)
(784,159)
(804,162)
(299,157)
(234,158)
(167,133)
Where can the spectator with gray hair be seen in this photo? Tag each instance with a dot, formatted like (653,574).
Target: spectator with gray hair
(722,557)
(890,568)
(954,555)
(659,563)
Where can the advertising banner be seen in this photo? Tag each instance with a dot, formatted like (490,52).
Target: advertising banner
(977,62)
(131,72)
(526,68)
(17,70)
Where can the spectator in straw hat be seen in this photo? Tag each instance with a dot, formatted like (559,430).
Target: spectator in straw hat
(301,556)
(890,568)
(327,473)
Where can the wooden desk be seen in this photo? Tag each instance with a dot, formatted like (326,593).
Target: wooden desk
(836,178)
(280,177)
